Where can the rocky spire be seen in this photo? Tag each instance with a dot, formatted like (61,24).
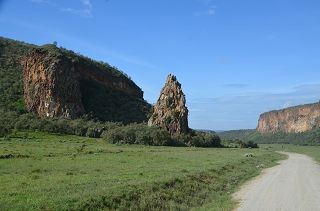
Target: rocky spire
(170,111)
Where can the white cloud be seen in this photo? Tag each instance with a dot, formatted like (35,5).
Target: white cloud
(211,11)
(47,2)
(82,12)
(87,4)
(84,9)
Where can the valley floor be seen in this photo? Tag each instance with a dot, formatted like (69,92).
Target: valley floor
(39,171)
(312,151)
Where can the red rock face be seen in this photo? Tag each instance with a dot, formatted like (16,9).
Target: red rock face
(291,120)
(52,83)
(51,86)
(170,112)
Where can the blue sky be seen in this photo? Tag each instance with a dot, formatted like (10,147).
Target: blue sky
(235,59)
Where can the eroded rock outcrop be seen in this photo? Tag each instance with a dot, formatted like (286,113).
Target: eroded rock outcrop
(295,119)
(59,83)
(170,111)
(51,86)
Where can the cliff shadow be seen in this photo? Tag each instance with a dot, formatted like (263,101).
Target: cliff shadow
(108,104)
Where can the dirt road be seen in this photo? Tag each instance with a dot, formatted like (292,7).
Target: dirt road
(292,185)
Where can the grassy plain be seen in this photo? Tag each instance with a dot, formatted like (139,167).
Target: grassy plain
(40,171)
(312,151)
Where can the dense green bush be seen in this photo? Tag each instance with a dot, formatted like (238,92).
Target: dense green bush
(199,139)
(248,144)
(142,134)
(115,133)
(203,139)
(4,130)
(80,127)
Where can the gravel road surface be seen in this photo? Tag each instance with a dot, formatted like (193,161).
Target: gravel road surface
(294,185)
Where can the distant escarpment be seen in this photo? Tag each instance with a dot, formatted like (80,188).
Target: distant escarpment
(170,111)
(291,120)
(55,82)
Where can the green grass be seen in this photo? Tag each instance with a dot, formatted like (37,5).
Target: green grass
(312,151)
(54,172)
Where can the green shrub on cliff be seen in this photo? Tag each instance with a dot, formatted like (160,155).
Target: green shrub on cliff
(11,82)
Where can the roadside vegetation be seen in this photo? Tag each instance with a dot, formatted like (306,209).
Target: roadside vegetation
(311,138)
(66,172)
(312,151)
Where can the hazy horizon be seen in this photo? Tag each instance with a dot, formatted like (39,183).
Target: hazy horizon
(235,60)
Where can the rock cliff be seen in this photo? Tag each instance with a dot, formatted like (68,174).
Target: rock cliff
(59,83)
(170,111)
(51,85)
(291,120)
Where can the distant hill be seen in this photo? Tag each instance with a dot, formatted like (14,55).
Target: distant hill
(236,134)
(207,131)
(51,81)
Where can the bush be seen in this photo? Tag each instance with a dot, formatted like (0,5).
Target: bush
(115,133)
(142,134)
(139,134)
(81,127)
(249,144)
(202,139)
(4,131)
